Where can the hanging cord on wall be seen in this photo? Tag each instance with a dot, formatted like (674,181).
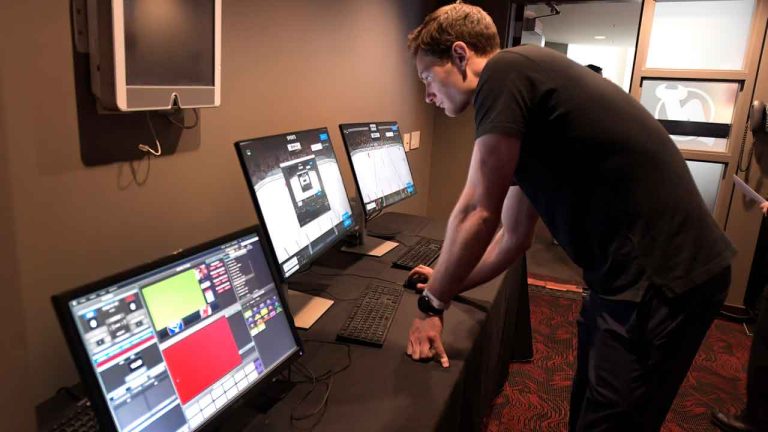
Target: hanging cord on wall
(134,172)
(148,149)
(739,167)
(182,125)
(159,151)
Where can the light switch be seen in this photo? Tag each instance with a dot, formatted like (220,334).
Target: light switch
(415,137)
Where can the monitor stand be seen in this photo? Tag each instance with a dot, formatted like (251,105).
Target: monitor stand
(367,245)
(305,308)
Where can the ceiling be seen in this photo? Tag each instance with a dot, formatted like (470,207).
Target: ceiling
(579,23)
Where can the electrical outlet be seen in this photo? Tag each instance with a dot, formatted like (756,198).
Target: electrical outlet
(407,141)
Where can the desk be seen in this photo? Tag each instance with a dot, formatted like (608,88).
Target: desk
(383,389)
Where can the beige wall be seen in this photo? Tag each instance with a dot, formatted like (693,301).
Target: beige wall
(287,65)
(452,149)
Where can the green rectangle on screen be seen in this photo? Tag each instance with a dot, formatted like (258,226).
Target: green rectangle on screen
(174,298)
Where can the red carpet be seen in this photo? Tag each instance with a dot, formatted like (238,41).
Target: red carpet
(535,397)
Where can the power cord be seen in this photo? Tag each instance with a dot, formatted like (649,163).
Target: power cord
(146,148)
(325,378)
(159,151)
(182,125)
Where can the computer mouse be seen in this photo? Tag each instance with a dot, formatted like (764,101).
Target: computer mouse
(414,280)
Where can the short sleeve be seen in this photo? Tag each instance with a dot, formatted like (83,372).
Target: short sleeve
(504,95)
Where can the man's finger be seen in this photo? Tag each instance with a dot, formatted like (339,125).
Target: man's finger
(415,349)
(409,348)
(425,352)
(440,352)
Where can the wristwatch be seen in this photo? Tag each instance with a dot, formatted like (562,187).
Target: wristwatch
(430,305)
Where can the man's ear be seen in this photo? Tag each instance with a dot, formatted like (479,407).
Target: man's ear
(460,57)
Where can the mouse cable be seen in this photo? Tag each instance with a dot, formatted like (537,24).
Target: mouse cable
(354,275)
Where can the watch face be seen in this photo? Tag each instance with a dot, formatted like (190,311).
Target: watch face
(426,306)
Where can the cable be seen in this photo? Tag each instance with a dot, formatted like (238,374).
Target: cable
(389,235)
(134,172)
(146,148)
(739,167)
(348,351)
(373,215)
(316,380)
(182,125)
(354,275)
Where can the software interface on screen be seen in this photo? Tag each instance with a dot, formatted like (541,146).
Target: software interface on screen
(379,163)
(172,347)
(300,193)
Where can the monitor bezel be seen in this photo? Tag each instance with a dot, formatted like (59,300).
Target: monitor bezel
(162,97)
(80,353)
(354,173)
(260,213)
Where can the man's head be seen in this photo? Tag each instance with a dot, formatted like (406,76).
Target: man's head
(451,47)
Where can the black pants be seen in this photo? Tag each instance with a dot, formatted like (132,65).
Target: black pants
(633,356)
(757,371)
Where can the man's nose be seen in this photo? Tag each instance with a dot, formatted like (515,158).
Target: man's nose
(430,97)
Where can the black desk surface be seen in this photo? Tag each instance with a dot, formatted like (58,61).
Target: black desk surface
(383,389)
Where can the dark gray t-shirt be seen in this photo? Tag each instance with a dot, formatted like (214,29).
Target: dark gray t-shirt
(602,173)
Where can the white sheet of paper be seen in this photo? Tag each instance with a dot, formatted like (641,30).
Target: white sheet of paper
(748,191)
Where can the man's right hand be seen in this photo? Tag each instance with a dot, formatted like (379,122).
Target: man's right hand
(425,339)
(424,271)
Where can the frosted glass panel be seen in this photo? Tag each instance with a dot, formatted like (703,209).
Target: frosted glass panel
(707,176)
(692,101)
(700,34)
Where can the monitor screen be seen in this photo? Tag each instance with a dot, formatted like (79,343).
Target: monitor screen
(298,192)
(172,345)
(379,164)
(169,42)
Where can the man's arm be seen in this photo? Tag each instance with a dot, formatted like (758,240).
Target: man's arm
(518,220)
(471,227)
(476,216)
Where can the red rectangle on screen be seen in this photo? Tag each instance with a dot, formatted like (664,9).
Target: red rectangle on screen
(202,358)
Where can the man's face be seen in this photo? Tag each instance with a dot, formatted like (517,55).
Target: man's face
(445,84)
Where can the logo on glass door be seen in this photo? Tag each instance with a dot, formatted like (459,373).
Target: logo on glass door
(678,102)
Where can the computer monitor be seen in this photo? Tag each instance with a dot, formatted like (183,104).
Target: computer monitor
(296,186)
(379,164)
(172,344)
(154,55)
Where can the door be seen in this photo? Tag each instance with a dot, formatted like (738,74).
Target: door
(695,70)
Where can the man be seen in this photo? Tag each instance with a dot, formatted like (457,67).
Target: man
(754,416)
(556,141)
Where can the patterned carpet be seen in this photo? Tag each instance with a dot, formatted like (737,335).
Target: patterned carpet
(535,397)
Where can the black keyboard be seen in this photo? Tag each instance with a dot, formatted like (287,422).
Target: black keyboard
(79,418)
(369,321)
(424,252)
